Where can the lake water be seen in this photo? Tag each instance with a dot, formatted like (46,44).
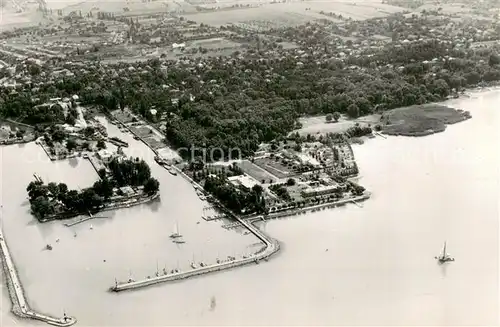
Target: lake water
(347,266)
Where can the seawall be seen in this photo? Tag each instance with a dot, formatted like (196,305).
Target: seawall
(272,247)
(296,211)
(20,305)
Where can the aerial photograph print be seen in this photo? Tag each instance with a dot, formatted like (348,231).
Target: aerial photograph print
(249,163)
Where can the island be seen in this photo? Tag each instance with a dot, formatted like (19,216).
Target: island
(258,114)
(123,182)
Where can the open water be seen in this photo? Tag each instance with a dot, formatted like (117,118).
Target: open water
(346,266)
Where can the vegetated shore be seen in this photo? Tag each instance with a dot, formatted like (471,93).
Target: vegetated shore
(119,204)
(421,120)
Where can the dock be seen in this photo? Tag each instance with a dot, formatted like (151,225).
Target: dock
(271,247)
(81,220)
(380,134)
(37,178)
(214,217)
(20,305)
(357,204)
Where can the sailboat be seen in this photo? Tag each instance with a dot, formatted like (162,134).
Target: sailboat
(213,303)
(193,263)
(176,233)
(130,279)
(444,257)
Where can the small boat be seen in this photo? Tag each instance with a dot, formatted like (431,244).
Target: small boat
(213,303)
(74,235)
(193,264)
(136,137)
(57,241)
(172,171)
(176,233)
(444,257)
(48,247)
(177,241)
(91,227)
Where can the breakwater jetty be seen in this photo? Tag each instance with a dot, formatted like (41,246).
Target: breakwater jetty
(84,219)
(271,247)
(20,305)
(290,212)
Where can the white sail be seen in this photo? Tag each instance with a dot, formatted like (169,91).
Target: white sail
(176,233)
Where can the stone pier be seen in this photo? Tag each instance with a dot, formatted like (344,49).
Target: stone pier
(20,305)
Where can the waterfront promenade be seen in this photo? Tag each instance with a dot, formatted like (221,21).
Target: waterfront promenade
(287,213)
(20,305)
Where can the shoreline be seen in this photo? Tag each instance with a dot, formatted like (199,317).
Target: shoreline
(113,206)
(296,211)
(19,302)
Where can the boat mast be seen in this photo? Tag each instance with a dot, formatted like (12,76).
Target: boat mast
(176,228)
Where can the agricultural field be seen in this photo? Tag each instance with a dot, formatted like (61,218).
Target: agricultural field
(292,14)
(135,7)
(213,44)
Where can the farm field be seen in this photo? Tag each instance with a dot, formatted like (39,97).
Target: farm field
(213,44)
(290,14)
(134,7)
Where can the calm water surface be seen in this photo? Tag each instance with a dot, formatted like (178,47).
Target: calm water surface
(349,266)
